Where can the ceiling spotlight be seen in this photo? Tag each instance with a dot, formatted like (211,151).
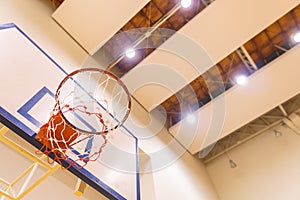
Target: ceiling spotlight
(241,80)
(186,3)
(190,118)
(277,133)
(232,164)
(297,37)
(130,53)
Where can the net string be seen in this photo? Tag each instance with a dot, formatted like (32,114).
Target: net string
(61,148)
(105,103)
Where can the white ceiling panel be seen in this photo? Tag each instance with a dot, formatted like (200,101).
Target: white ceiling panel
(202,42)
(168,69)
(227,24)
(266,89)
(92,22)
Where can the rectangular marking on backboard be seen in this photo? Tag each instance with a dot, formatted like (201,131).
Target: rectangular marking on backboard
(24,110)
(33,101)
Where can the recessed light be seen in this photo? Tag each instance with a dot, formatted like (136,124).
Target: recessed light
(186,3)
(130,53)
(190,118)
(241,79)
(297,37)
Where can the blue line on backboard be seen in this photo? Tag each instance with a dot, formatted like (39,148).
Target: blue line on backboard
(24,110)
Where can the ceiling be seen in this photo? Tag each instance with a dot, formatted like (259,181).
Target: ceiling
(260,49)
(268,121)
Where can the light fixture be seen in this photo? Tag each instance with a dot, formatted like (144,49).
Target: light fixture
(232,164)
(186,3)
(296,37)
(190,118)
(277,133)
(130,53)
(241,80)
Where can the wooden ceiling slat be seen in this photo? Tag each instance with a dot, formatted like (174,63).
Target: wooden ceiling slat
(177,20)
(128,26)
(296,16)
(250,47)
(260,56)
(152,12)
(273,30)
(141,20)
(271,46)
(164,5)
(267,50)
(287,22)
(261,39)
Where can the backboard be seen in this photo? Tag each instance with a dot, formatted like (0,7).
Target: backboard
(29,81)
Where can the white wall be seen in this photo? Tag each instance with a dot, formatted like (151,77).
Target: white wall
(167,170)
(267,168)
(185,179)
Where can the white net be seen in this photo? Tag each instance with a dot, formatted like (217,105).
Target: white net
(90,103)
(99,101)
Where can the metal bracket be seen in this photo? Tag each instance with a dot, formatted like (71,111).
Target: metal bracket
(9,191)
(246,59)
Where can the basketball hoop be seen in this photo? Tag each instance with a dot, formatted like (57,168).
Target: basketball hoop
(90,104)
